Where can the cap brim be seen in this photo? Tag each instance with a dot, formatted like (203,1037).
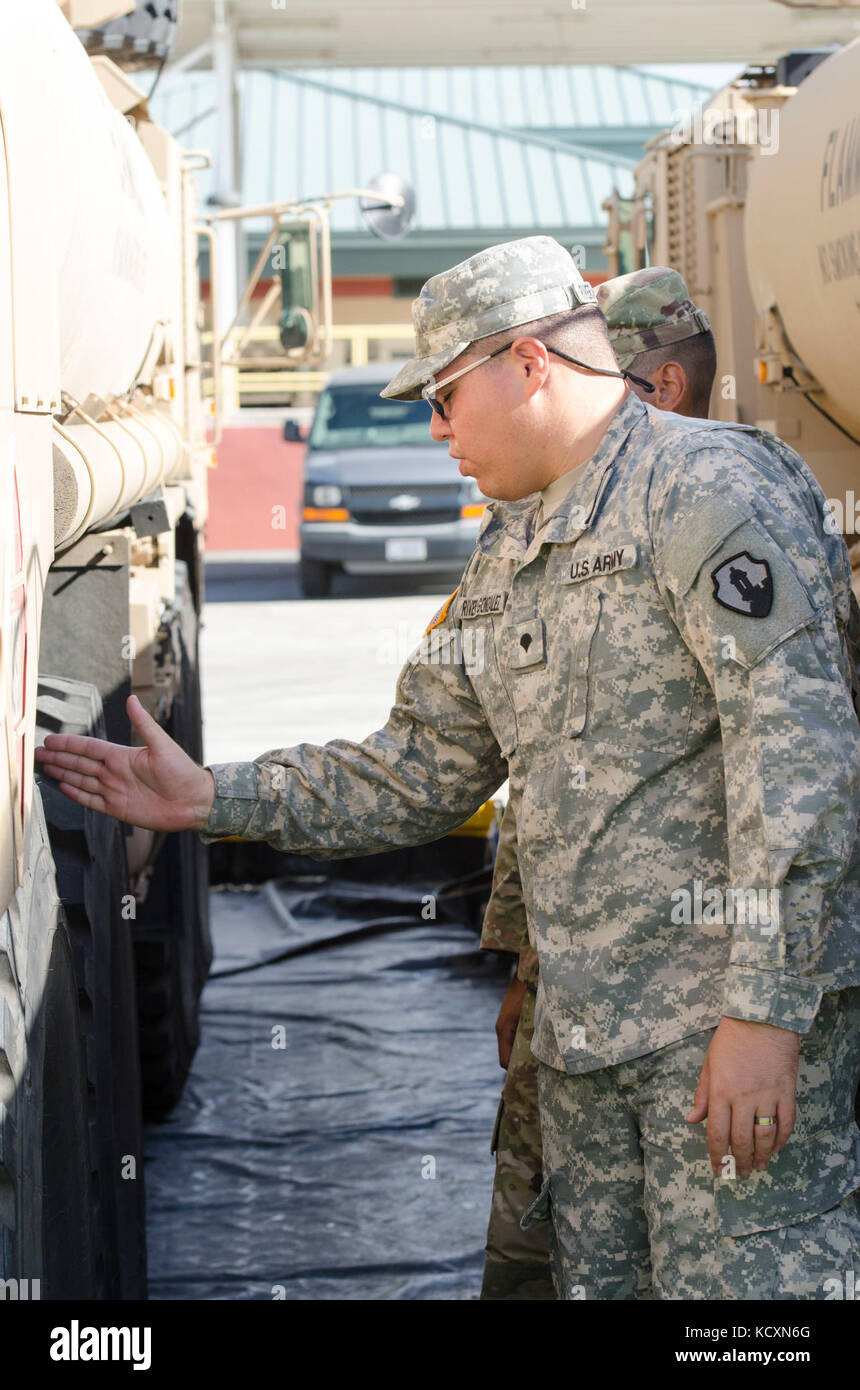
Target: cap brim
(407,384)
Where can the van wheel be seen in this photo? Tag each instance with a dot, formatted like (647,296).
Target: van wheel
(315,577)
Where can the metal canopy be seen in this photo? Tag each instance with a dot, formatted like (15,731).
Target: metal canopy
(353,33)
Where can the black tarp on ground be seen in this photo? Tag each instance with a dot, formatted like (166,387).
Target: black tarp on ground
(303,1166)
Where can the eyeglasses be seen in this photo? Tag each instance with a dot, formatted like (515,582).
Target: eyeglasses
(428,393)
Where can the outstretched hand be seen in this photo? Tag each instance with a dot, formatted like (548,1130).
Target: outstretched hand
(156,786)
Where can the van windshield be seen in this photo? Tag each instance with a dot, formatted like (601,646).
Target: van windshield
(355,417)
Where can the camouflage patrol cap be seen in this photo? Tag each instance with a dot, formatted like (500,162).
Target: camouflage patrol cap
(503,286)
(647,309)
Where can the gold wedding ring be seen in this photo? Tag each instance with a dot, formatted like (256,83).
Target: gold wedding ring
(766,1120)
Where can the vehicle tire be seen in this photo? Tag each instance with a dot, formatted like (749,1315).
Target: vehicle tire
(50,1237)
(173,945)
(135,40)
(315,577)
(92,880)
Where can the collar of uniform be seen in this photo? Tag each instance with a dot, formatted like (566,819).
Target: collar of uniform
(508,526)
(566,522)
(505,530)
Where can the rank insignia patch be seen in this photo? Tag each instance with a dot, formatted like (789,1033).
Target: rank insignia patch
(744,584)
(528,643)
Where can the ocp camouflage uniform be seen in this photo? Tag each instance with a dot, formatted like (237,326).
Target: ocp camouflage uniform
(517,1260)
(505,927)
(516,1264)
(647,309)
(665,676)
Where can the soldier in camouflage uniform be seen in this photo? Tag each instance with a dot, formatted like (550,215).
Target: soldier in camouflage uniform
(656,330)
(517,1261)
(664,670)
(655,327)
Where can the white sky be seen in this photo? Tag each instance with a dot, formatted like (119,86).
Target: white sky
(712,75)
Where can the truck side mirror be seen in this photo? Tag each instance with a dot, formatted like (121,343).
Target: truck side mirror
(292,433)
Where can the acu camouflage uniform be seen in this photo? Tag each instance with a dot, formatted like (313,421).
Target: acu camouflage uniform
(645,309)
(661,723)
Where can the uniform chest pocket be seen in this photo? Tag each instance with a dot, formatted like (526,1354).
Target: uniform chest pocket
(633,678)
(482,644)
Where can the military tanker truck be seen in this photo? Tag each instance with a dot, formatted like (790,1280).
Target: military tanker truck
(104,936)
(755,199)
(104,451)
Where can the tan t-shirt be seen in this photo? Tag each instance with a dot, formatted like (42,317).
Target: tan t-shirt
(554,494)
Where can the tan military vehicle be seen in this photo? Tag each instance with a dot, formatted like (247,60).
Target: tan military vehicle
(755,200)
(104,936)
(104,933)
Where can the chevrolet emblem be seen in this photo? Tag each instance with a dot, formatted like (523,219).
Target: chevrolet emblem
(404,502)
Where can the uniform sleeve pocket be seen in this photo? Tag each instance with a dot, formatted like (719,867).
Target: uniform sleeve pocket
(750,593)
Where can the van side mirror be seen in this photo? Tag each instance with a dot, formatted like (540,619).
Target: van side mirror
(292,433)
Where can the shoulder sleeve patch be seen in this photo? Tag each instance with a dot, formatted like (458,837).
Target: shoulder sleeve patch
(749,591)
(441,614)
(744,584)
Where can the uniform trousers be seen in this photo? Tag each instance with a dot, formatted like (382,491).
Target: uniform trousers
(636,1213)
